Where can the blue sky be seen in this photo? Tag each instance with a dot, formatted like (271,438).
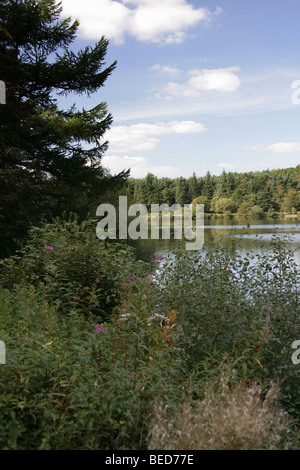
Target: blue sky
(198,86)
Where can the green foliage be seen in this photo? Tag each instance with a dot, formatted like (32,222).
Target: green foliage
(190,342)
(71,384)
(200,200)
(271,190)
(78,264)
(246,308)
(225,205)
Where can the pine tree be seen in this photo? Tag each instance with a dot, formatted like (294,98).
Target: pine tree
(181,192)
(49,157)
(193,187)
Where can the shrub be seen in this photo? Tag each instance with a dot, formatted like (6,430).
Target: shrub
(69,258)
(70,383)
(256,212)
(239,306)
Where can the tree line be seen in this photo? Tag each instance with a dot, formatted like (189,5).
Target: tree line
(250,194)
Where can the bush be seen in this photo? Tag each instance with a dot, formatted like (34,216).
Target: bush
(256,212)
(225,205)
(245,307)
(73,262)
(70,383)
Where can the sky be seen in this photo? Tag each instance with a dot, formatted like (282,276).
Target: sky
(199,86)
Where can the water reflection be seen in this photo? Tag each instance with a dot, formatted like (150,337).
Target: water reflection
(254,237)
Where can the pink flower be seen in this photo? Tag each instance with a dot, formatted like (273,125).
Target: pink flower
(49,248)
(100,330)
(158,256)
(132,278)
(270,309)
(97,281)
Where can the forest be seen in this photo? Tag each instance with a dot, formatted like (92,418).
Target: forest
(253,195)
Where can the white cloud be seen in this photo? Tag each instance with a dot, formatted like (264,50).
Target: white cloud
(254,96)
(162,21)
(138,137)
(279,148)
(218,79)
(164,69)
(158,20)
(221,80)
(219,11)
(139,167)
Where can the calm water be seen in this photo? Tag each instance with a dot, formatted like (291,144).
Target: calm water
(255,237)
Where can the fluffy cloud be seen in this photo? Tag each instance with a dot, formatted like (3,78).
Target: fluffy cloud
(138,137)
(164,69)
(139,167)
(222,80)
(279,148)
(146,20)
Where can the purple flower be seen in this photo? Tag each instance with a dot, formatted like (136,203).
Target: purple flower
(49,248)
(270,309)
(153,297)
(133,373)
(132,278)
(100,330)
(97,281)
(158,256)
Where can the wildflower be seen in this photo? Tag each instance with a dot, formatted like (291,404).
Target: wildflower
(100,330)
(153,297)
(158,256)
(97,281)
(270,309)
(132,278)
(133,373)
(49,248)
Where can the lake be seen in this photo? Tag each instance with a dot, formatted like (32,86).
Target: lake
(253,237)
